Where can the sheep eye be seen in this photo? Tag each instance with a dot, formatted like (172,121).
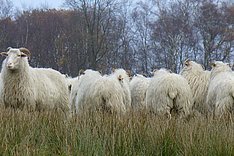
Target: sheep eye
(21,55)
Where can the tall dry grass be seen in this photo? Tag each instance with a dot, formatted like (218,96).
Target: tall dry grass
(136,133)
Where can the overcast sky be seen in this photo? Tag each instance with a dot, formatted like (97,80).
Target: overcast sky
(37,3)
(24,4)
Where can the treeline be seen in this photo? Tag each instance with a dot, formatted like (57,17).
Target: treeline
(139,36)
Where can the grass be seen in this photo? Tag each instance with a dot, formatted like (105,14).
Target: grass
(47,133)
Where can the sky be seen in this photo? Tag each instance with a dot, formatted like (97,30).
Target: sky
(23,4)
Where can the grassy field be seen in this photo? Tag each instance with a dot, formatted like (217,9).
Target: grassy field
(46,133)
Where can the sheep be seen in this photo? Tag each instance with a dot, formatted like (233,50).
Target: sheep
(198,80)
(82,90)
(124,79)
(71,81)
(221,89)
(25,87)
(71,84)
(138,88)
(108,92)
(169,92)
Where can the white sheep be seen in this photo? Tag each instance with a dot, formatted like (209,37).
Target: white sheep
(138,88)
(71,81)
(221,89)
(198,80)
(96,92)
(169,92)
(71,84)
(82,88)
(30,88)
(123,78)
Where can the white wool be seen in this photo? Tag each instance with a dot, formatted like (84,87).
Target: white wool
(109,94)
(32,88)
(168,91)
(198,80)
(72,87)
(71,81)
(221,89)
(124,80)
(96,92)
(138,87)
(83,88)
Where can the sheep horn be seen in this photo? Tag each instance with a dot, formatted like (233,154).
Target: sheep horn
(186,62)
(25,51)
(212,64)
(81,72)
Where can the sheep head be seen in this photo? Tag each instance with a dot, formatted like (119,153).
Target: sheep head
(219,66)
(81,72)
(121,74)
(192,65)
(14,57)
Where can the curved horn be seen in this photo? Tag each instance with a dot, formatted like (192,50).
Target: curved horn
(25,51)
(81,72)
(186,62)
(212,64)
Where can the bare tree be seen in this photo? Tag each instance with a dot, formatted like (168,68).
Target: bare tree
(96,16)
(172,34)
(214,27)
(6,7)
(142,18)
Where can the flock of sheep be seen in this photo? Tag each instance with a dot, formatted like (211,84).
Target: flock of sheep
(165,93)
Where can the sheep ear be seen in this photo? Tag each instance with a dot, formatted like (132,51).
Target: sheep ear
(170,71)
(4,54)
(155,70)
(69,87)
(81,72)
(203,66)
(144,74)
(100,71)
(129,73)
(25,52)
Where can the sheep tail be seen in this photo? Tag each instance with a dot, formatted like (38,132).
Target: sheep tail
(172,94)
